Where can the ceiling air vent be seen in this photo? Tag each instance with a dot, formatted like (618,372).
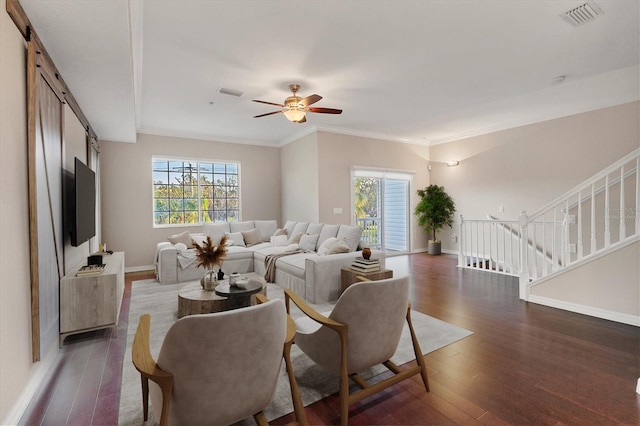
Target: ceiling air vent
(582,14)
(231,92)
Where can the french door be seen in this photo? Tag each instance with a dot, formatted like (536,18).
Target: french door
(381,207)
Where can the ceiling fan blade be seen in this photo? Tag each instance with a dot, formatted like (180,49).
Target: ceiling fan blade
(269,113)
(311,99)
(326,110)
(268,103)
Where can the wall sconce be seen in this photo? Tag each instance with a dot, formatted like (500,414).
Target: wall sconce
(452,163)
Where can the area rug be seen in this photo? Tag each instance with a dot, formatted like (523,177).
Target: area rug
(161,301)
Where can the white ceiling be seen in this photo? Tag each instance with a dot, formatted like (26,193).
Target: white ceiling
(410,71)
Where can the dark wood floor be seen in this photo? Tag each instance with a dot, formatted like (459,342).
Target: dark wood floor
(524,364)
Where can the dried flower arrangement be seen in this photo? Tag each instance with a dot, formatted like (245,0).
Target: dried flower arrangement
(209,255)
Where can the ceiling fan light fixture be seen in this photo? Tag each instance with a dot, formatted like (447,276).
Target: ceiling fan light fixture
(294,114)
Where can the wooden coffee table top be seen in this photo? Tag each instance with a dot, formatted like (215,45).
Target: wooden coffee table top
(193,299)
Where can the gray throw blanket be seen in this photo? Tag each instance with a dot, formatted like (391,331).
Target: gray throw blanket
(270,264)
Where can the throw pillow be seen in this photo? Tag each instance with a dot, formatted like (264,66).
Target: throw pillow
(295,238)
(279,240)
(198,239)
(182,237)
(339,247)
(280,231)
(350,234)
(308,242)
(236,238)
(301,227)
(251,237)
(181,247)
(323,249)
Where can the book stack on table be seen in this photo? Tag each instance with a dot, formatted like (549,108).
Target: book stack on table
(360,264)
(89,270)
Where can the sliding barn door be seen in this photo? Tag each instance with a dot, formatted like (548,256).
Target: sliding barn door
(45,193)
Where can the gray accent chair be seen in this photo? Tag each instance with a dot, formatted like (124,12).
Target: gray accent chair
(216,369)
(362,330)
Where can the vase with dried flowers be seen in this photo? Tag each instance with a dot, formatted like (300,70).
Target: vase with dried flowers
(209,256)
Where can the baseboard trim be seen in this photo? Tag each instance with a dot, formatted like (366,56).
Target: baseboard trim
(587,310)
(140,268)
(33,385)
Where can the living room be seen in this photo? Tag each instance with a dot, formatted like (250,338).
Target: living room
(306,176)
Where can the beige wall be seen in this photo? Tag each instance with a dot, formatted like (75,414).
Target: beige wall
(610,283)
(16,368)
(127,218)
(299,179)
(527,167)
(337,154)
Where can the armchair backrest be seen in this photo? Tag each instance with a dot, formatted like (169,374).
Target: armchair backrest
(375,312)
(225,365)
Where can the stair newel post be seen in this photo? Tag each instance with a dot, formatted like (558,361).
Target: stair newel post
(461,241)
(523,223)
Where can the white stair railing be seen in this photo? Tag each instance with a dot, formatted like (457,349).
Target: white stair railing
(600,214)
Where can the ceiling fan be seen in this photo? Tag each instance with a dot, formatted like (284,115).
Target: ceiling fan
(295,108)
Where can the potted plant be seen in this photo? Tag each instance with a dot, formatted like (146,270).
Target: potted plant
(434,211)
(209,256)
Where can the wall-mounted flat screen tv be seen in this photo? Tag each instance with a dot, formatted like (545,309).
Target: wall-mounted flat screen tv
(84,211)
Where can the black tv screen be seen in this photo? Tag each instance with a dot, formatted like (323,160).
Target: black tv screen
(84,211)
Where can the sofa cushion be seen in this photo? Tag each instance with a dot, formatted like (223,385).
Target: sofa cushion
(328,231)
(308,242)
(350,234)
(323,250)
(235,239)
(215,230)
(295,238)
(251,237)
(301,227)
(198,239)
(279,232)
(294,264)
(237,252)
(279,240)
(182,237)
(289,227)
(266,228)
(315,228)
(340,247)
(241,226)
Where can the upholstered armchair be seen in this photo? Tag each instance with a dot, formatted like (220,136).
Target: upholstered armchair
(362,330)
(214,369)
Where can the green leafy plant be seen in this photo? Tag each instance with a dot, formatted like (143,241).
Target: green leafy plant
(435,209)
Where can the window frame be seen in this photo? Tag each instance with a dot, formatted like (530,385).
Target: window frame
(195,162)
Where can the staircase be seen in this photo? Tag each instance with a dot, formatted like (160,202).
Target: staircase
(597,217)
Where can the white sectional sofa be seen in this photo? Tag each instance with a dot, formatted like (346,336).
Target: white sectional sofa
(313,273)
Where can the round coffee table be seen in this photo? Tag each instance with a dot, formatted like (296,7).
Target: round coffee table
(238,297)
(193,299)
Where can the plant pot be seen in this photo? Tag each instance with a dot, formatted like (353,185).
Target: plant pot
(434,247)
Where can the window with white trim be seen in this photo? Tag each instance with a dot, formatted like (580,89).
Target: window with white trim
(194,191)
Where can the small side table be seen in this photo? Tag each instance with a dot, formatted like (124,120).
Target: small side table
(238,297)
(348,276)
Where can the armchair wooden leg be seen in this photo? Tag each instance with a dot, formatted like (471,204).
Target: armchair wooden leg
(298,407)
(418,352)
(260,419)
(344,381)
(145,396)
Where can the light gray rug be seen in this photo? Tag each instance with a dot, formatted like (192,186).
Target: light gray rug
(161,301)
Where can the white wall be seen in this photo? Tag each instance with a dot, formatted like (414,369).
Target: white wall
(527,167)
(127,206)
(338,154)
(299,179)
(16,368)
